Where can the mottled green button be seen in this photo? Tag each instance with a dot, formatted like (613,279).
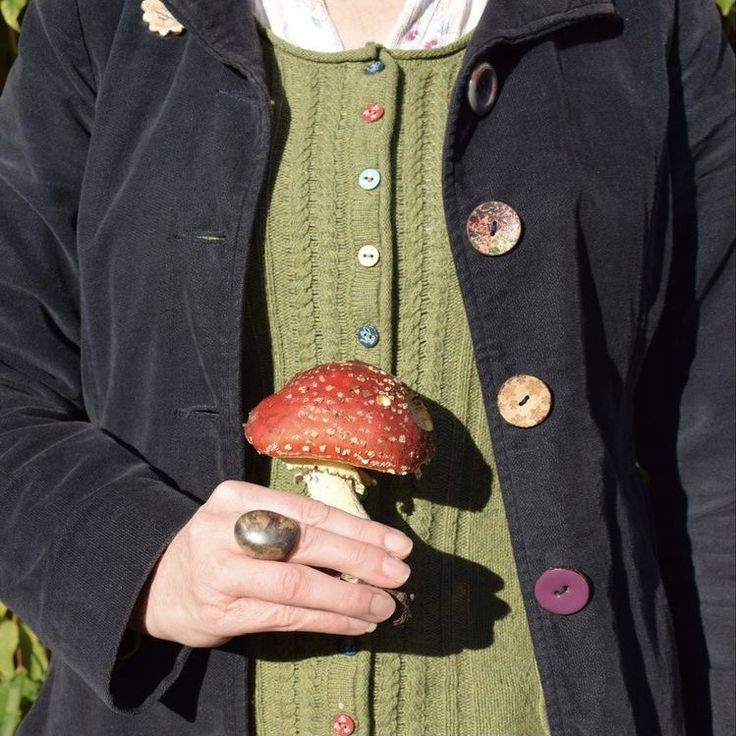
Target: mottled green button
(493,228)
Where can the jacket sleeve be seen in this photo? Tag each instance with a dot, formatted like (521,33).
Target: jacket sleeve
(83,518)
(686,391)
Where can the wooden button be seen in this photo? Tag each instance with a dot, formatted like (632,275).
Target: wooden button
(493,228)
(524,401)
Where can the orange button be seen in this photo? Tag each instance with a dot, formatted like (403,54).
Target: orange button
(372,112)
(343,724)
(524,401)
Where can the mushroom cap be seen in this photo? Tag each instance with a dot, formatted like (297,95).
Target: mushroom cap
(349,412)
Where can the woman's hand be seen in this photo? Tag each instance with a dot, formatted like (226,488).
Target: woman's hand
(206,590)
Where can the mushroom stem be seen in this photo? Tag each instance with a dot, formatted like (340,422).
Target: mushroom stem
(342,486)
(335,484)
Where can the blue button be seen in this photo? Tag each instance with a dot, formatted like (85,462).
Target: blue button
(369,179)
(374,67)
(368,336)
(348,645)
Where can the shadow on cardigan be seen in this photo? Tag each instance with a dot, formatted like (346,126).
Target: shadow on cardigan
(456,603)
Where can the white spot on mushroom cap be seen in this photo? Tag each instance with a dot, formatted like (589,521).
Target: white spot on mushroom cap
(378,404)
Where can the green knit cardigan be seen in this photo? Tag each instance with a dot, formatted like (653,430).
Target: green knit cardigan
(345,261)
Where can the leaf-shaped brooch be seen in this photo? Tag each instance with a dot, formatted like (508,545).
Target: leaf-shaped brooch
(159,19)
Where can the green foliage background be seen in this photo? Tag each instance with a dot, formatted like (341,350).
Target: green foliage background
(23,664)
(23,659)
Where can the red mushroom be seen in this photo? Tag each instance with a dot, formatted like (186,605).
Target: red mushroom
(336,420)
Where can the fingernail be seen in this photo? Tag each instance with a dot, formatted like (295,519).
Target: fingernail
(395,569)
(371,628)
(382,606)
(397,543)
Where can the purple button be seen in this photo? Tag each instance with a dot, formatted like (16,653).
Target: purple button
(562,591)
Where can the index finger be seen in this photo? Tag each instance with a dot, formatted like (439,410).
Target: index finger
(237,497)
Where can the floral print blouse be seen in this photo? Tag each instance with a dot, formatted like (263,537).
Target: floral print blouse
(422,24)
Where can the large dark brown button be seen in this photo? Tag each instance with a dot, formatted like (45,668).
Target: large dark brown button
(482,88)
(493,228)
(562,591)
(266,535)
(524,401)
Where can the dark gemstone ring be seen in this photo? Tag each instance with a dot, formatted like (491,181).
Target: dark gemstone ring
(266,535)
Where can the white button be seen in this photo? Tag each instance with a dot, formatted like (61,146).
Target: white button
(369,179)
(368,256)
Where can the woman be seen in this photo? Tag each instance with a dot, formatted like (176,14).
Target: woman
(526,214)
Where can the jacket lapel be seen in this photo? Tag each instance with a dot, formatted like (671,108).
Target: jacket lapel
(227,30)
(521,20)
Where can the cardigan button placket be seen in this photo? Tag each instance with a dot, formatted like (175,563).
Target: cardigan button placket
(372,130)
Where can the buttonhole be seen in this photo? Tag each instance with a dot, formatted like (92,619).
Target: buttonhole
(210,237)
(188,412)
(524,400)
(237,95)
(494,228)
(561,591)
(205,237)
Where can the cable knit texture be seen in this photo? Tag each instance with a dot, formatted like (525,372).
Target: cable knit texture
(464,663)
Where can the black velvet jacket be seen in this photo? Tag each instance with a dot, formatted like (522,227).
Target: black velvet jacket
(120,355)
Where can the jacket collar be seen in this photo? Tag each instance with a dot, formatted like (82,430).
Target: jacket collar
(513,21)
(228,30)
